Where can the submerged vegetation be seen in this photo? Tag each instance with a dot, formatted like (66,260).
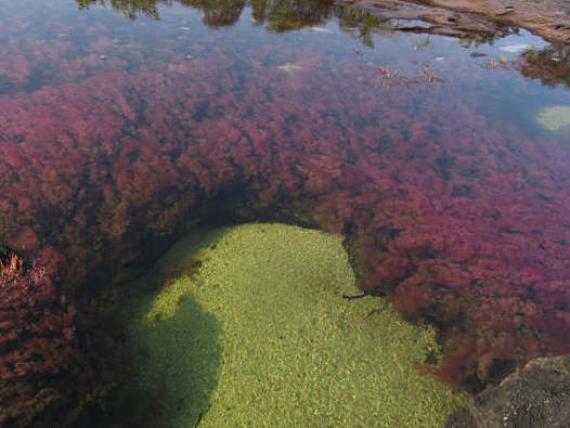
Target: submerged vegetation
(259,335)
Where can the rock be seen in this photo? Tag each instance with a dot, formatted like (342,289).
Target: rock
(538,396)
(516,48)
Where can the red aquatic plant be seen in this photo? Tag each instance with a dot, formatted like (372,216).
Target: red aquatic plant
(37,336)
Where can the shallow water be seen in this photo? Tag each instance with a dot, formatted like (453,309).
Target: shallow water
(123,125)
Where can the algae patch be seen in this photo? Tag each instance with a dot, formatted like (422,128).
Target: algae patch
(554,118)
(259,335)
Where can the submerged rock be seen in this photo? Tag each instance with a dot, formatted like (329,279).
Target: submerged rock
(290,68)
(555,118)
(536,396)
(516,48)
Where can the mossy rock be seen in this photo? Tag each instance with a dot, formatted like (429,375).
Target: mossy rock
(249,328)
(555,118)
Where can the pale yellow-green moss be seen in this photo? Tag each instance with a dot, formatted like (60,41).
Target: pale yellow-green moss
(258,335)
(555,118)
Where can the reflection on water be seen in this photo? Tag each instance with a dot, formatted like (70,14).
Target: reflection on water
(129,7)
(282,14)
(287,15)
(119,135)
(276,15)
(550,65)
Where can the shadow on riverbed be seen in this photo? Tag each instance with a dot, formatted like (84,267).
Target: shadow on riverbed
(176,366)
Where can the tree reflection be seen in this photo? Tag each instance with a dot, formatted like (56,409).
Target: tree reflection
(218,13)
(130,8)
(286,15)
(361,23)
(277,15)
(551,65)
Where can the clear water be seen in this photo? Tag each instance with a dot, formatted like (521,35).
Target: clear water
(125,124)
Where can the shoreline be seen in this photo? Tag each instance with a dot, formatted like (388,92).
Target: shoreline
(469,18)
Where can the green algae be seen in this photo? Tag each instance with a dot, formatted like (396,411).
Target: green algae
(256,333)
(555,118)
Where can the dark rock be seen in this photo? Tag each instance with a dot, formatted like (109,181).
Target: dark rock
(537,396)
